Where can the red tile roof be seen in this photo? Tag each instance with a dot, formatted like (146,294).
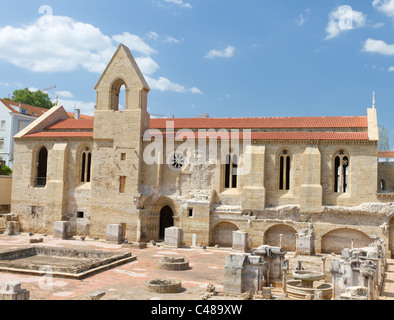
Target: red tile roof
(60,135)
(305,136)
(82,116)
(261,123)
(31,110)
(386,154)
(71,124)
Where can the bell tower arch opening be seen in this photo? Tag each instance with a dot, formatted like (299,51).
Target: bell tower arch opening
(118,95)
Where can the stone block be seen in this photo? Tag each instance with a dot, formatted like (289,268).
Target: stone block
(12,228)
(173,237)
(13,291)
(240,241)
(35,240)
(61,230)
(115,233)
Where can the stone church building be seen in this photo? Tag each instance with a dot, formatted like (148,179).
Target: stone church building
(320,171)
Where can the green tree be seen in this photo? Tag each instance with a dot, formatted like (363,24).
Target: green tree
(384,141)
(5,171)
(37,98)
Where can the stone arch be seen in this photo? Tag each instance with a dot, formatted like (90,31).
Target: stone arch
(158,217)
(339,239)
(115,89)
(272,237)
(222,234)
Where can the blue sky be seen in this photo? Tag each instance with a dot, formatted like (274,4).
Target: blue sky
(228,58)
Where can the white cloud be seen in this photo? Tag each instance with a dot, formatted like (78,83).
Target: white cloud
(180,3)
(32,89)
(166,39)
(134,43)
(301,20)
(226,53)
(64,94)
(302,17)
(378,46)
(147,65)
(66,45)
(195,90)
(378,25)
(343,19)
(153,35)
(87,108)
(164,84)
(170,39)
(391,69)
(385,6)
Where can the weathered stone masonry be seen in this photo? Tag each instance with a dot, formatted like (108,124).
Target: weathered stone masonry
(322,170)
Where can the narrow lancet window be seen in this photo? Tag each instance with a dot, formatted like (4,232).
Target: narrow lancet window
(341,172)
(42,166)
(284,170)
(231,172)
(86,165)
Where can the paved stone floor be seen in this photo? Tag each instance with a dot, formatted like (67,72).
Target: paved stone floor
(127,281)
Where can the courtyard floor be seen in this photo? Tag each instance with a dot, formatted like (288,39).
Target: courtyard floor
(128,281)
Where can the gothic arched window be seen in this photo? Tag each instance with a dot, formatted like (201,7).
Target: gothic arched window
(231,172)
(341,172)
(86,164)
(42,167)
(284,170)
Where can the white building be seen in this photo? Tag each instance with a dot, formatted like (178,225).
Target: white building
(14,117)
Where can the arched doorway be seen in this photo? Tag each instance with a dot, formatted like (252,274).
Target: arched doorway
(339,239)
(166,220)
(272,237)
(222,234)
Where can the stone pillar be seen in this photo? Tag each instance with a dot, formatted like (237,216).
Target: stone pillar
(12,228)
(305,242)
(324,265)
(56,184)
(284,281)
(173,237)
(240,241)
(61,230)
(311,191)
(115,233)
(13,291)
(281,240)
(253,173)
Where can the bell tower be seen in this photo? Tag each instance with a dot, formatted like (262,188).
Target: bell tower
(117,155)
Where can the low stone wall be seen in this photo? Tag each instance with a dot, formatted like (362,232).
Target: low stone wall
(61,261)
(172,264)
(164,286)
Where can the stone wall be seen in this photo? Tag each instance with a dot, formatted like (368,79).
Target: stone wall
(5,194)
(386,173)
